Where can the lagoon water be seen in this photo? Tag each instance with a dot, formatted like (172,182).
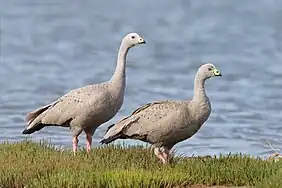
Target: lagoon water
(51,47)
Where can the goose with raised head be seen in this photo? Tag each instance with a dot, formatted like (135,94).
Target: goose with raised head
(86,108)
(166,123)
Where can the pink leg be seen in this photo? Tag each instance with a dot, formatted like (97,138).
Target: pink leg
(162,154)
(88,142)
(74,144)
(158,153)
(165,155)
(89,134)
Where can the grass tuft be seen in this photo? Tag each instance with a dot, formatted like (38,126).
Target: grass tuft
(29,164)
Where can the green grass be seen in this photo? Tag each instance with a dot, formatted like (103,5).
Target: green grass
(28,164)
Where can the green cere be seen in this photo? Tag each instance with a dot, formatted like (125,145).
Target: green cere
(216,72)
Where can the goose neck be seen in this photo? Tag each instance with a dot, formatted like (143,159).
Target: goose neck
(199,88)
(120,70)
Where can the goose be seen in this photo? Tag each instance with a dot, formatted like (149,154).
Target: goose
(86,108)
(166,123)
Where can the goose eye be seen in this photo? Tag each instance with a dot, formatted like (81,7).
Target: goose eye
(132,37)
(210,69)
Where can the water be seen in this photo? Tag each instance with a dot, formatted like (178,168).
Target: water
(51,47)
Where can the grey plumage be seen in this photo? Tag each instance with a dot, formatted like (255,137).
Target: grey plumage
(86,108)
(166,123)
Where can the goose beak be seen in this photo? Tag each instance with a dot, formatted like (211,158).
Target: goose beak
(141,41)
(216,72)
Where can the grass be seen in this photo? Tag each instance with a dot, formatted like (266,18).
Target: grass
(28,164)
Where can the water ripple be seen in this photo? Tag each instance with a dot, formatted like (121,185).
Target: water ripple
(49,48)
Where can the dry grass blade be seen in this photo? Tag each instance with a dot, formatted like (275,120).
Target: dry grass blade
(276,155)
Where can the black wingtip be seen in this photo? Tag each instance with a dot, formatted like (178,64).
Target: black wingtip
(106,140)
(26,131)
(110,139)
(109,128)
(33,129)
(102,141)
